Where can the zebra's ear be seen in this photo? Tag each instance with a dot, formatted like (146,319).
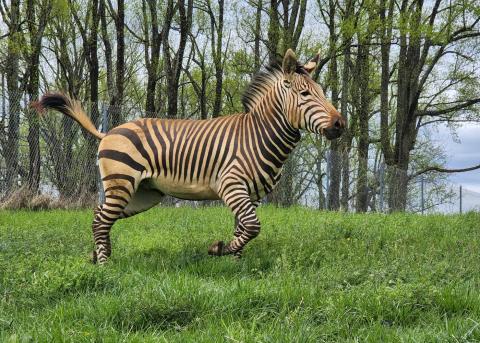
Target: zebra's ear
(311,65)
(289,64)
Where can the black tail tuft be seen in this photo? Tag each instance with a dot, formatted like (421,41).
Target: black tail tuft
(54,101)
(71,108)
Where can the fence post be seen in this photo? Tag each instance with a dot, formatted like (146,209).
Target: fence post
(422,197)
(104,129)
(382,185)
(328,179)
(461,209)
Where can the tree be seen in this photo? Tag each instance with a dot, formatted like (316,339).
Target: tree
(363,107)
(89,34)
(60,134)
(216,29)
(11,17)
(199,58)
(285,26)
(173,60)
(115,110)
(346,80)
(424,39)
(37,14)
(257,34)
(107,48)
(153,36)
(333,83)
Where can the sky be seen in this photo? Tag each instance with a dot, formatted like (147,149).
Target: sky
(462,150)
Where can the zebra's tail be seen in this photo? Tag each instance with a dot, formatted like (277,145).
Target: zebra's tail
(69,107)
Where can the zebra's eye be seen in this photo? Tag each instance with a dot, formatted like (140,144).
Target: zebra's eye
(305,92)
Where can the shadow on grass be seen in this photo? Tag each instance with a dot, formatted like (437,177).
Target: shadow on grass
(143,316)
(194,260)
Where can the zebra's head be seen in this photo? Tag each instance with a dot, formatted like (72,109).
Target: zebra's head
(305,105)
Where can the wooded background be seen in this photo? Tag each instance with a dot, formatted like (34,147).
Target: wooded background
(397,69)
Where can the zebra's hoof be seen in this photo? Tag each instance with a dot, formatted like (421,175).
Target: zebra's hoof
(216,249)
(94,257)
(237,255)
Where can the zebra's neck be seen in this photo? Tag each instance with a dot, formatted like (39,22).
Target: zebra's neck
(276,132)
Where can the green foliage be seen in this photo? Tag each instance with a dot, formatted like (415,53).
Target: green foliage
(309,277)
(60,9)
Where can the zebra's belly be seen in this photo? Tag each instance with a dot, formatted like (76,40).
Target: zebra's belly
(183,190)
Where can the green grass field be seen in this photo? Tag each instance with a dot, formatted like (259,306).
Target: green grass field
(309,277)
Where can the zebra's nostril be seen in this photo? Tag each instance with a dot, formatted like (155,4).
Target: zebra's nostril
(337,124)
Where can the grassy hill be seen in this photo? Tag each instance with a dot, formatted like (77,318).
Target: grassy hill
(309,277)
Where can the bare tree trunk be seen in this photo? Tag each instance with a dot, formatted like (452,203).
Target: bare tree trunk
(319,173)
(173,64)
(153,38)
(89,33)
(257,34)
(363,109)
(363,116)
(216,41)
(386,33)
(36,30)
(71,78)
(405,130)
(93,70)
(345,179)
(335,160)
(14,95)
(108,49)
(218,60)
(273,32)
(117,101)
(152,53)
(346,140)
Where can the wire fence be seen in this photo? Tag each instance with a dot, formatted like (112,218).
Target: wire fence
(54,157)
(425,194)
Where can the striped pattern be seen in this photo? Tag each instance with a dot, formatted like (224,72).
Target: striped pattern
(236,158)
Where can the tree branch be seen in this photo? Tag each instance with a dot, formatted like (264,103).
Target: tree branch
(444,170)
(461,106)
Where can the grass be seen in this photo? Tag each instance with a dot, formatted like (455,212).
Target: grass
(309,277)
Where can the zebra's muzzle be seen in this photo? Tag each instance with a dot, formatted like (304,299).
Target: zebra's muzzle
(336,130)
(332,133)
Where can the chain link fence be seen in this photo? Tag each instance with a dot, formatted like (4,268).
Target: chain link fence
(65,173)
(382,188)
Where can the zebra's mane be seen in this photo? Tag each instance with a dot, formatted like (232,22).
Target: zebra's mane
(262,82)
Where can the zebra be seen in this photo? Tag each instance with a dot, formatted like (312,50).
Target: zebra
(236,158)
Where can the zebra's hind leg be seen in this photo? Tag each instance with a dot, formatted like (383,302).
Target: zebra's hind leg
(104,219)
(117,197)
(120,203)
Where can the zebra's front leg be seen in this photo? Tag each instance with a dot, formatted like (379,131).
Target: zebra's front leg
(238,230)
(237,233)
(248,227)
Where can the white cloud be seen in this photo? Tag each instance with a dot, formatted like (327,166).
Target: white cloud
(462,154)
